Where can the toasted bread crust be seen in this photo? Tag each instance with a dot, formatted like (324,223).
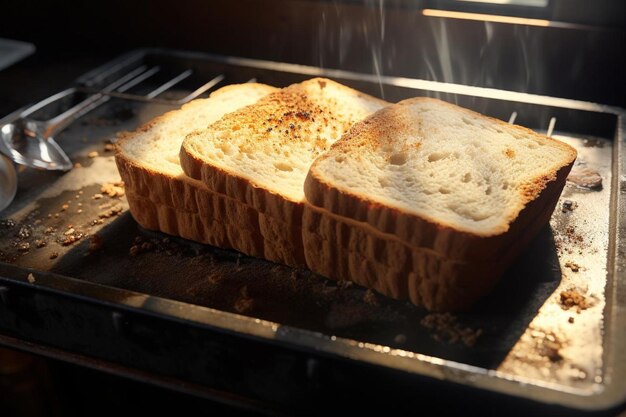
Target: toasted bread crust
(184,207)
(423,231)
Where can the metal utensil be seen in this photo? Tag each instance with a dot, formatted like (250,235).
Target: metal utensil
(31,142)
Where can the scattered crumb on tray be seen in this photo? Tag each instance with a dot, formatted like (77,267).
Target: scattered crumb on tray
(95,243)
(72,238)
(446,328)
(371,298)
(573,298)
(31,278)
(93,154)
(165,245)
(112,211)
(569,205)
(113,189)
(573,266)
(244,303)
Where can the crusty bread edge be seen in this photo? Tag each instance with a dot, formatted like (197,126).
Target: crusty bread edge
(443,238)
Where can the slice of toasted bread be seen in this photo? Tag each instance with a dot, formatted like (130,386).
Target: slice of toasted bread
(161,197)
(261,154)
(442,177)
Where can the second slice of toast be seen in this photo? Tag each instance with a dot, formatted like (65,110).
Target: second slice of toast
(260,154)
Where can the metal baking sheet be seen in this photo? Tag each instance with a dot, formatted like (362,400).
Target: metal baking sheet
(548,332)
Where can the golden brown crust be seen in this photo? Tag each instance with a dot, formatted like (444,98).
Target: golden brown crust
(423,232)
(340,248)
(184,207)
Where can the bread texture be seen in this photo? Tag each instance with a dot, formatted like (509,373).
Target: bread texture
(161,197)
(261,154)
(421,200)
(443,178)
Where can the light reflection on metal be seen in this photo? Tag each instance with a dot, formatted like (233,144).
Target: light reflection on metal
(491,18)
(551,126)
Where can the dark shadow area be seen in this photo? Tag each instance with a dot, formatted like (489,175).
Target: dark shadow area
(229,281)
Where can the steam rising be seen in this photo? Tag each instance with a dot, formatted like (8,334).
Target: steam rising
(391,37)
(350,26)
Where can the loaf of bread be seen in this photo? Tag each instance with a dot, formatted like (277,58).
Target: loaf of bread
(421,200)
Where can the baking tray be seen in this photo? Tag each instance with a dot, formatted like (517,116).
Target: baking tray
(523,341)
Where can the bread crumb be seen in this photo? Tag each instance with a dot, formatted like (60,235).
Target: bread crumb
(244,305)
(109,147)
(570,320)
(72,238)
(93,154)
(78,165)
(97,196)
(113,189)
(446,328)
(370,298)
(134,250)
(569,205)
(54,255)
(40,243)
(573,298)
(95,243)
(573,266)
(23,247)
(113,211)
(31,278)
(64,207)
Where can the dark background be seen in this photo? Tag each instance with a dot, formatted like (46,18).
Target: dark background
(581,56)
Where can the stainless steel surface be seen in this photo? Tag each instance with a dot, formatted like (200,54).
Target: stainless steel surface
(521,321)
